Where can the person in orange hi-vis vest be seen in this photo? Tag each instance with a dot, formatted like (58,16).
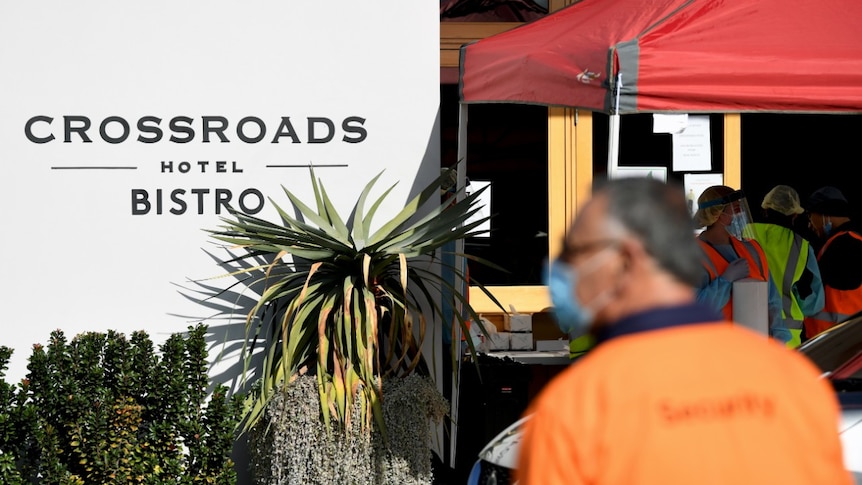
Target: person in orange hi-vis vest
(671,394)
(839,258)
(730,254)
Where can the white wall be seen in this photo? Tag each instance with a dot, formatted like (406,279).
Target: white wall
(80,251)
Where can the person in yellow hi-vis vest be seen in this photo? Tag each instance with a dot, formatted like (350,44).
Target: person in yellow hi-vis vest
(792,264)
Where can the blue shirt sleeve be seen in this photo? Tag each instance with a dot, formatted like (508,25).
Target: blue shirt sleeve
(814,302)
(715,293)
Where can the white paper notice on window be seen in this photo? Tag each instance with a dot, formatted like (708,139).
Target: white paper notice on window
(669,123)
(696,183)
(691,146)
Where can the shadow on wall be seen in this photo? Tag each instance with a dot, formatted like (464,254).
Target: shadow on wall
(229,304)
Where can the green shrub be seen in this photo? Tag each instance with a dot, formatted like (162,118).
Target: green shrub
(102,409)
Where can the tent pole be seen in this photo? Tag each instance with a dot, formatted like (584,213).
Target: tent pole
(460,286)
(613,145)
(614,130)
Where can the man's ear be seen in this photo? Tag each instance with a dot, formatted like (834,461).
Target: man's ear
(630,250)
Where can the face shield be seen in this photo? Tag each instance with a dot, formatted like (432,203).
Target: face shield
(736,216)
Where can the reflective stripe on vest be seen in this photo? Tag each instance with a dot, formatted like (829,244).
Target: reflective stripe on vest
(840,304)
(716,264)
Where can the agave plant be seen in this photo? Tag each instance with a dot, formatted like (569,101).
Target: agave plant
(343,302)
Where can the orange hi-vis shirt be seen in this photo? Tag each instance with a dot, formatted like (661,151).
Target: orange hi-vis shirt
(750,250)
(839,304)
(681,404)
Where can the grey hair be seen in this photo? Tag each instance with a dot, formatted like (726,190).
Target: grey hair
(657,214)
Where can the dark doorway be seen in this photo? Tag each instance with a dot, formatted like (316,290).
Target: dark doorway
(804,151)
(508,147)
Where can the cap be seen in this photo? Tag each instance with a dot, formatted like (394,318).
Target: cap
(711,203)
(783,199)
(828,201)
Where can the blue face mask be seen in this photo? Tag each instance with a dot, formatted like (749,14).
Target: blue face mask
(572,317)
(827,227)
(737,226)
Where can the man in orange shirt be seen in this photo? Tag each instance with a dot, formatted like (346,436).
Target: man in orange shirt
(670,394)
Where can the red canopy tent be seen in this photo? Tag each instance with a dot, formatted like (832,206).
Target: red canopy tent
(687,56)
(676,56)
